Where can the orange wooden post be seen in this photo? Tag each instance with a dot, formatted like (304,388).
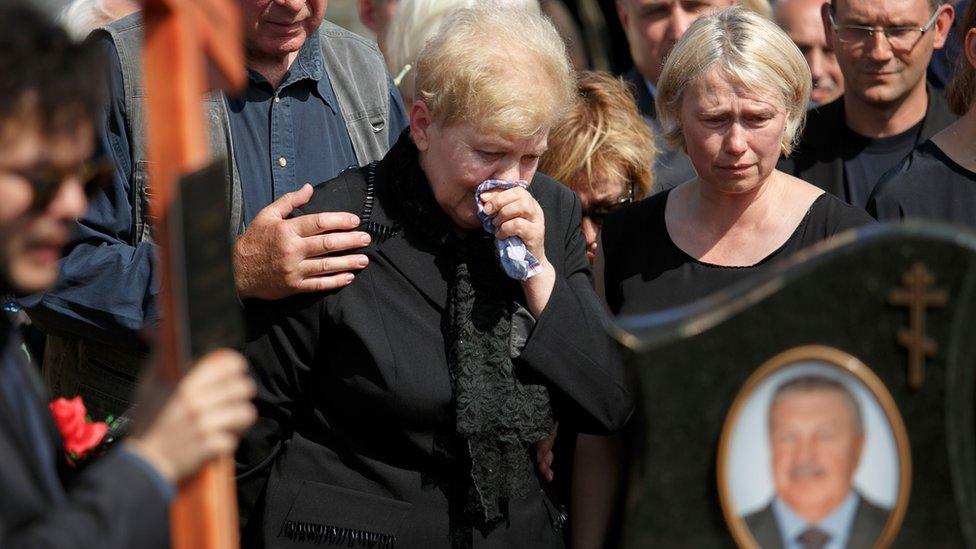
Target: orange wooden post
(183,40)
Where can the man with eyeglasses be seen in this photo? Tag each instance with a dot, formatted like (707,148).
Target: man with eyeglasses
(883,48)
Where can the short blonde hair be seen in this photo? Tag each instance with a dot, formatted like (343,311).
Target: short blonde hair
(500,70)
(603,133)
(745,47)
(416,21)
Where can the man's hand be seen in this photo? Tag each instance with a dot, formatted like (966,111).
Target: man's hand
(277,257)
(201,419)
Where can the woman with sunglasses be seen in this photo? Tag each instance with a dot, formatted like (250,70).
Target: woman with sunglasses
(602,150)
(733,95)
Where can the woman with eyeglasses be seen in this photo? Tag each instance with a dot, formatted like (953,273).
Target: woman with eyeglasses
(602,150)
(733,95)
(937,181)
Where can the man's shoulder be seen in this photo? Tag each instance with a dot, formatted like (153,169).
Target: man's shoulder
(763,527)
(822,121)
(334,35)
(131,23)
(760,516)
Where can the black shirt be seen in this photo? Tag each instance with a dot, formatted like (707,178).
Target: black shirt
(926,185)
(646,271)
(867,159)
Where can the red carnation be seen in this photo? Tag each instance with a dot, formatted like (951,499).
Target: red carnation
(79,433)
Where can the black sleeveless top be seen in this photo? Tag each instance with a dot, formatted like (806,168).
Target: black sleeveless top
(645,271)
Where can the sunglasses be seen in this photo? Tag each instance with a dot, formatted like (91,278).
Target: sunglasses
(94,175)
(597,213)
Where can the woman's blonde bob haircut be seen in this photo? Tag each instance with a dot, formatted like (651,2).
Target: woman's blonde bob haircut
(745,48)
(499,70)
(602,135)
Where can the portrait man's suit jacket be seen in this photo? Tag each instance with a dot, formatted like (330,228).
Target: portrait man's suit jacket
(818,159)
(112,504)
(671,167)
(355,403)
(869,521)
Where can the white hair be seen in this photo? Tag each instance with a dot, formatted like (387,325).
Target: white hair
(416,21)
(81,17)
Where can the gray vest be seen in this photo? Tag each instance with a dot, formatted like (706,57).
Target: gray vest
(359,80)
(105,375)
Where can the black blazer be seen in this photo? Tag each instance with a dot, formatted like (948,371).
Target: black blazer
(818,158)
(112,504)
(355,398)
(671,167)
(869,522)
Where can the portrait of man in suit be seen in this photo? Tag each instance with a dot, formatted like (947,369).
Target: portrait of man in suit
(816,435)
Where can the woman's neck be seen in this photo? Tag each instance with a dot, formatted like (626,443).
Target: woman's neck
(958,140)
(719,212)
(736,229)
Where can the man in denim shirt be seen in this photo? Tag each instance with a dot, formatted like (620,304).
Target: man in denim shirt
(317,102)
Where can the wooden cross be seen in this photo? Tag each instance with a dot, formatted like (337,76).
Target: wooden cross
(918,298)
(191,47)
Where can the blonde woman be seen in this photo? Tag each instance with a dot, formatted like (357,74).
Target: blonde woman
(403,408)
(733,96)
(602,150)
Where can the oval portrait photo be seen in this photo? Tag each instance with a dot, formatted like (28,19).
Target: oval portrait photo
(814,455)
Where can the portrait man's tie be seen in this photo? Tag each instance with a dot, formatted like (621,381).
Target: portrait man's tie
(813,538)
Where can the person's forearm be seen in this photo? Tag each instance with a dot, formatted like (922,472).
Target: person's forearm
(106,292)
(538,289)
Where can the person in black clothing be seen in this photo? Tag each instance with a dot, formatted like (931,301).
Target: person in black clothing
(652,28)
(938,180)
(887,107)
(119,499)
(733,93)
(403,408)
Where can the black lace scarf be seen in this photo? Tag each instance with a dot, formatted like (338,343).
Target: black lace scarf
(498,417)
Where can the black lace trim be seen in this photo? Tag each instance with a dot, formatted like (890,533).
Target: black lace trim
(318,534)
(497,417)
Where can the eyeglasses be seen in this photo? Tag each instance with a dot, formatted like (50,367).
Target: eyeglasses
(94,175)
(899,38)
(598,212)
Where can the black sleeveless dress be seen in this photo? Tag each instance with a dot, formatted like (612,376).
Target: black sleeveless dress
(645,271)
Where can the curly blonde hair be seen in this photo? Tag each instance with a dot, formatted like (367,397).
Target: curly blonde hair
(603,134)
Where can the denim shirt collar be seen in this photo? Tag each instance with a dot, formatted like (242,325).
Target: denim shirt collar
(308,66)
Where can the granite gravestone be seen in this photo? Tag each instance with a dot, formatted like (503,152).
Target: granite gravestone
(745,399)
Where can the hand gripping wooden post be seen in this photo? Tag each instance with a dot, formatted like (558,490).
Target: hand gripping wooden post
(191,46)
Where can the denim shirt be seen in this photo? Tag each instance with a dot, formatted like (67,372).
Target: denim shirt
(282,139)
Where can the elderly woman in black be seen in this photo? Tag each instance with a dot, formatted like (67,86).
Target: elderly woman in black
(402,408)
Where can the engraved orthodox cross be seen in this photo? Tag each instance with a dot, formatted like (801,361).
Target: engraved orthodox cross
(917,296)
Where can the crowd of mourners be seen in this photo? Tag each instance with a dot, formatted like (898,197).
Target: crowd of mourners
(430,233)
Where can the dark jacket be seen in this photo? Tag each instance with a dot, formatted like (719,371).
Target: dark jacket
(671,167)
(818,158)
(355,398)
(114,503)
(869,521)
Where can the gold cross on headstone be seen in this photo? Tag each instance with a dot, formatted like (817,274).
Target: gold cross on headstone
(917,296)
